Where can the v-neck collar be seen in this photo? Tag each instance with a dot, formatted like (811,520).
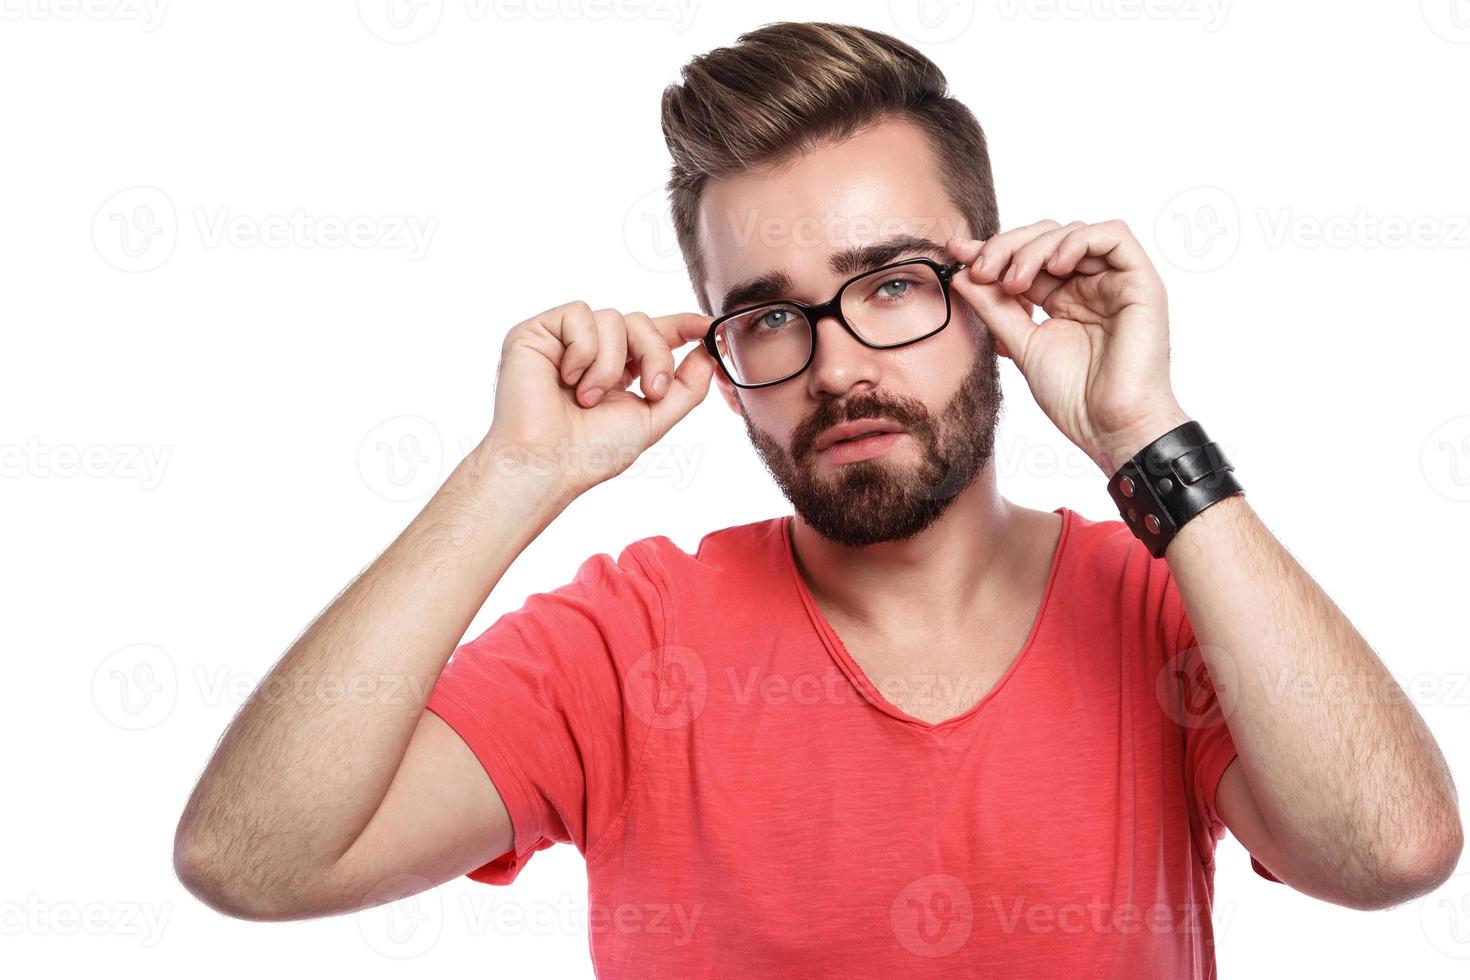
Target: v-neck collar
(860,680)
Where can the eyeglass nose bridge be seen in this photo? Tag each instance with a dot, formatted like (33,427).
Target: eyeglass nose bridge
(832,308)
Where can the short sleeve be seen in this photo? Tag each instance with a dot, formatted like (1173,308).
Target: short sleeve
(1208,747)
(539,698)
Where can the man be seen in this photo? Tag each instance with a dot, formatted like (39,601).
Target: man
(912,729)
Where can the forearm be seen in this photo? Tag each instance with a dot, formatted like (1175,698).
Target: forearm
(1341,765)
(310,756)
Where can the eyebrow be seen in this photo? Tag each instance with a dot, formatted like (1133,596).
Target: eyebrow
(847,262)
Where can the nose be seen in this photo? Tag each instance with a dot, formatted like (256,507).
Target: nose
(841,362)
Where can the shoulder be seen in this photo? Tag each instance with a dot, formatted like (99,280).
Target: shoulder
(1103,545)
(1109,572)
(735,550)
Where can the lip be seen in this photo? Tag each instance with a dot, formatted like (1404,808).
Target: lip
(848,430)
(856,450)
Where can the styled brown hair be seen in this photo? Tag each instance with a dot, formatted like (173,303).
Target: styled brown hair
(786,88)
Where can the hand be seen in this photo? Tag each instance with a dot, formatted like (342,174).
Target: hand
(1099,367)
(561,405)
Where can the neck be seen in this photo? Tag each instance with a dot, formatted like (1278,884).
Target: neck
(947,571)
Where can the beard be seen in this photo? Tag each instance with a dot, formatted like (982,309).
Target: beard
(876,500)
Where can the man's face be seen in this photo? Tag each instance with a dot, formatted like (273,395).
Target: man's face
(801,228)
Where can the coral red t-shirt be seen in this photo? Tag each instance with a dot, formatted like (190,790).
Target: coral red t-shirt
(750,804)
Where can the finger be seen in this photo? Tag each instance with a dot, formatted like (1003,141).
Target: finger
(678,329)
(687,389)
(967,250)
(650,354)
(1027,260)
(995,254)
(1107,245)
(1071,250)
(1042,287)
(1005,316)
(1071,256)
(612,354)
(964,249)
(574,328)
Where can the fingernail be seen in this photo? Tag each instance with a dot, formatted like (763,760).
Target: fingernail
(660,383)
(591,395)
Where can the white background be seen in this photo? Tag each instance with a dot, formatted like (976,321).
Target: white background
(207,428)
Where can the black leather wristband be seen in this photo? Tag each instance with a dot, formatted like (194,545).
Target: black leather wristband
(1170,481)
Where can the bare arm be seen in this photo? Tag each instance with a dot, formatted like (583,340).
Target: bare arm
(311,755)
(332,778)
(1339,789)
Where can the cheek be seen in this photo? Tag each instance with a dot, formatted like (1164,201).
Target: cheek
(777,413)
(932,369)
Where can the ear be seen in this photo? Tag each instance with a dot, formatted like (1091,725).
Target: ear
(728,392)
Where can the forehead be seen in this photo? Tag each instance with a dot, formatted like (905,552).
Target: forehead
(881,183)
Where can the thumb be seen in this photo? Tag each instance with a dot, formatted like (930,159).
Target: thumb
(687,389)
(1007,317)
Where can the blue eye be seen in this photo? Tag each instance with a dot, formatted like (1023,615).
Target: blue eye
(887,293)
(764,320)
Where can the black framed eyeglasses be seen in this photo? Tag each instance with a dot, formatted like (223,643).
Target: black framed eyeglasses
(891,306)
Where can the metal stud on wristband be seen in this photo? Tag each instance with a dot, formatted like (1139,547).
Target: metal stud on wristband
(1169,481)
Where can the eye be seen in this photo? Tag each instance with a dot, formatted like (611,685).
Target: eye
(895,288)
(773,319)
